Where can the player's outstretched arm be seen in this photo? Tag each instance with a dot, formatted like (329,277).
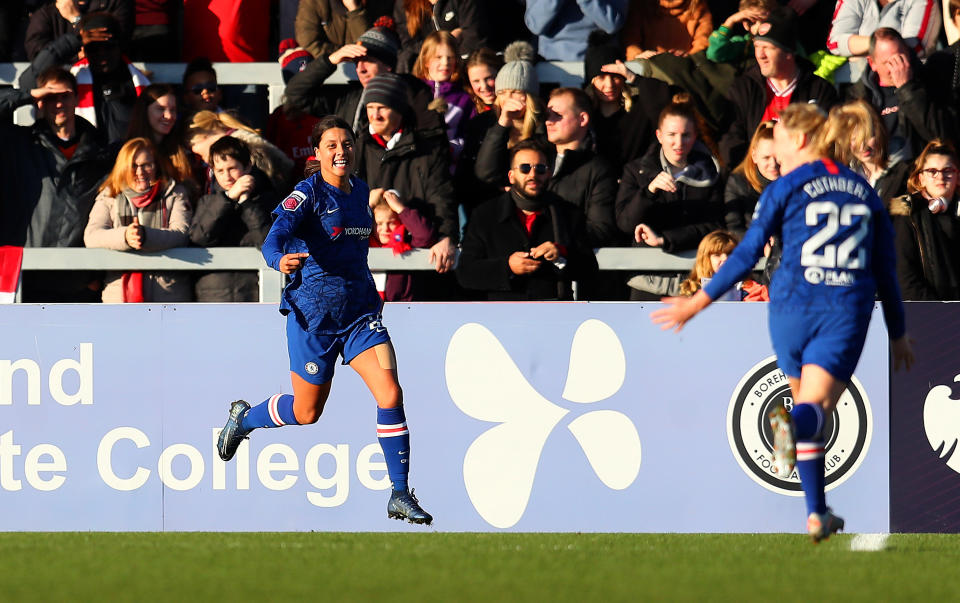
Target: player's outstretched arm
(902,349)
(680,310)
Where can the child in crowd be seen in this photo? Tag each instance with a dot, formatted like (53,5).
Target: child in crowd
(236,213)
(439,67)
(712,252)
(481,67)
(401,228)
(729,47)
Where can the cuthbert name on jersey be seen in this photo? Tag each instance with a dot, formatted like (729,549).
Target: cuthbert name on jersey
(835,184)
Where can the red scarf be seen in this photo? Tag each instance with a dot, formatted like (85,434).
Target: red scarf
(132,282)
(398,240)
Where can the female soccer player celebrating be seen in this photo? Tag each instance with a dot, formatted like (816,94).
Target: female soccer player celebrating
(321,237)
(837,253)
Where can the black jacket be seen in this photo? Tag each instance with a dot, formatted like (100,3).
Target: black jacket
(681,218)
(928,249)
(47,25)
(448,15)
(748,96)
(46,198)
(739,201)
(588,182)
(924,110)
(306,92)
(419,169)
(219,221)
(494,232)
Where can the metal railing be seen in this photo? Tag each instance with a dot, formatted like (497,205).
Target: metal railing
(271,282)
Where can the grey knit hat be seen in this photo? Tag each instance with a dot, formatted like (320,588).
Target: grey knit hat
(519,72)
(387,89)
(382,44)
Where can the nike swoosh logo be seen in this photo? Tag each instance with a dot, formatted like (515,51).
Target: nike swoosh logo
(334,210)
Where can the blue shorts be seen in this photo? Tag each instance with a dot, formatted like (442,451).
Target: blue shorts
(831,340)
(314,356)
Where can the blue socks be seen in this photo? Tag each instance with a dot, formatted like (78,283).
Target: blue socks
(276,411)
(395,441)
(808,420)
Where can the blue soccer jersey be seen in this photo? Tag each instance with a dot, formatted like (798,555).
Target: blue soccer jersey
(837,245)
(334,288)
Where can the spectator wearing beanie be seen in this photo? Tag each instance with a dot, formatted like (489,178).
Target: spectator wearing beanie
(520,115)
(322,26)
(373,54)
(562,26)
(780,77)
(392,154)
(626,106)
(290,130)
(417,19)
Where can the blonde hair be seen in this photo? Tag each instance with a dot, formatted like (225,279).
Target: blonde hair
(718,241)
(122,176)
(208,123)
(937,146)
(852,125)
(748,167)
(430,44)
(532,117)
(809,120)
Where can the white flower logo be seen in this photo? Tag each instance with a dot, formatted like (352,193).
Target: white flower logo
(941,421)
(500,465)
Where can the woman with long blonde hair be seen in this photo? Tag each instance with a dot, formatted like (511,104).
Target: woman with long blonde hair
(837,256)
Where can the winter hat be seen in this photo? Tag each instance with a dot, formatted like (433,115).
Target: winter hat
(387,89)
(519,72)
(602,49)
(293,58)
(382,42)
(780,29)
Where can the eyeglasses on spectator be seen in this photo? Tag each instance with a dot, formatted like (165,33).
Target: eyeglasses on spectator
(538,168)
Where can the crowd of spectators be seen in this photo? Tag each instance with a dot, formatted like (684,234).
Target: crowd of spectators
(510,183)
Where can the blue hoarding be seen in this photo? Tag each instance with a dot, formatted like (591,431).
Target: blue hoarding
(525,417)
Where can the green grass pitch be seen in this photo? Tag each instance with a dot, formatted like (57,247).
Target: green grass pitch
(492,568)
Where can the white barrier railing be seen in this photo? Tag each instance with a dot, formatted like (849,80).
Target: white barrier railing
(271,281)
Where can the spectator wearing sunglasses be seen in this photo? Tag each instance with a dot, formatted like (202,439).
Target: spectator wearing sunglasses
(200,89)
(927,229)
(527,244)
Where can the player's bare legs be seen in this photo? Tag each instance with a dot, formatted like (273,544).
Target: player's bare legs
(377,366)
(308,399)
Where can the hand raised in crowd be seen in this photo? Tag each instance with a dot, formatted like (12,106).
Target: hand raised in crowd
(241,189)
(457,33)
(620,69)
(292,262)
(68,9)
(393,200)
(97,34)
(644,234)
(664,182)
(376,194)
(511,109)
(443,255)
(745,18)
(900,70)
(352,5)
(51,88)
(134,234)
(547,251)
(520,262)
(349,52)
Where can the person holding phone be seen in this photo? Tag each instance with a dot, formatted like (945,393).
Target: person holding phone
(528,243)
